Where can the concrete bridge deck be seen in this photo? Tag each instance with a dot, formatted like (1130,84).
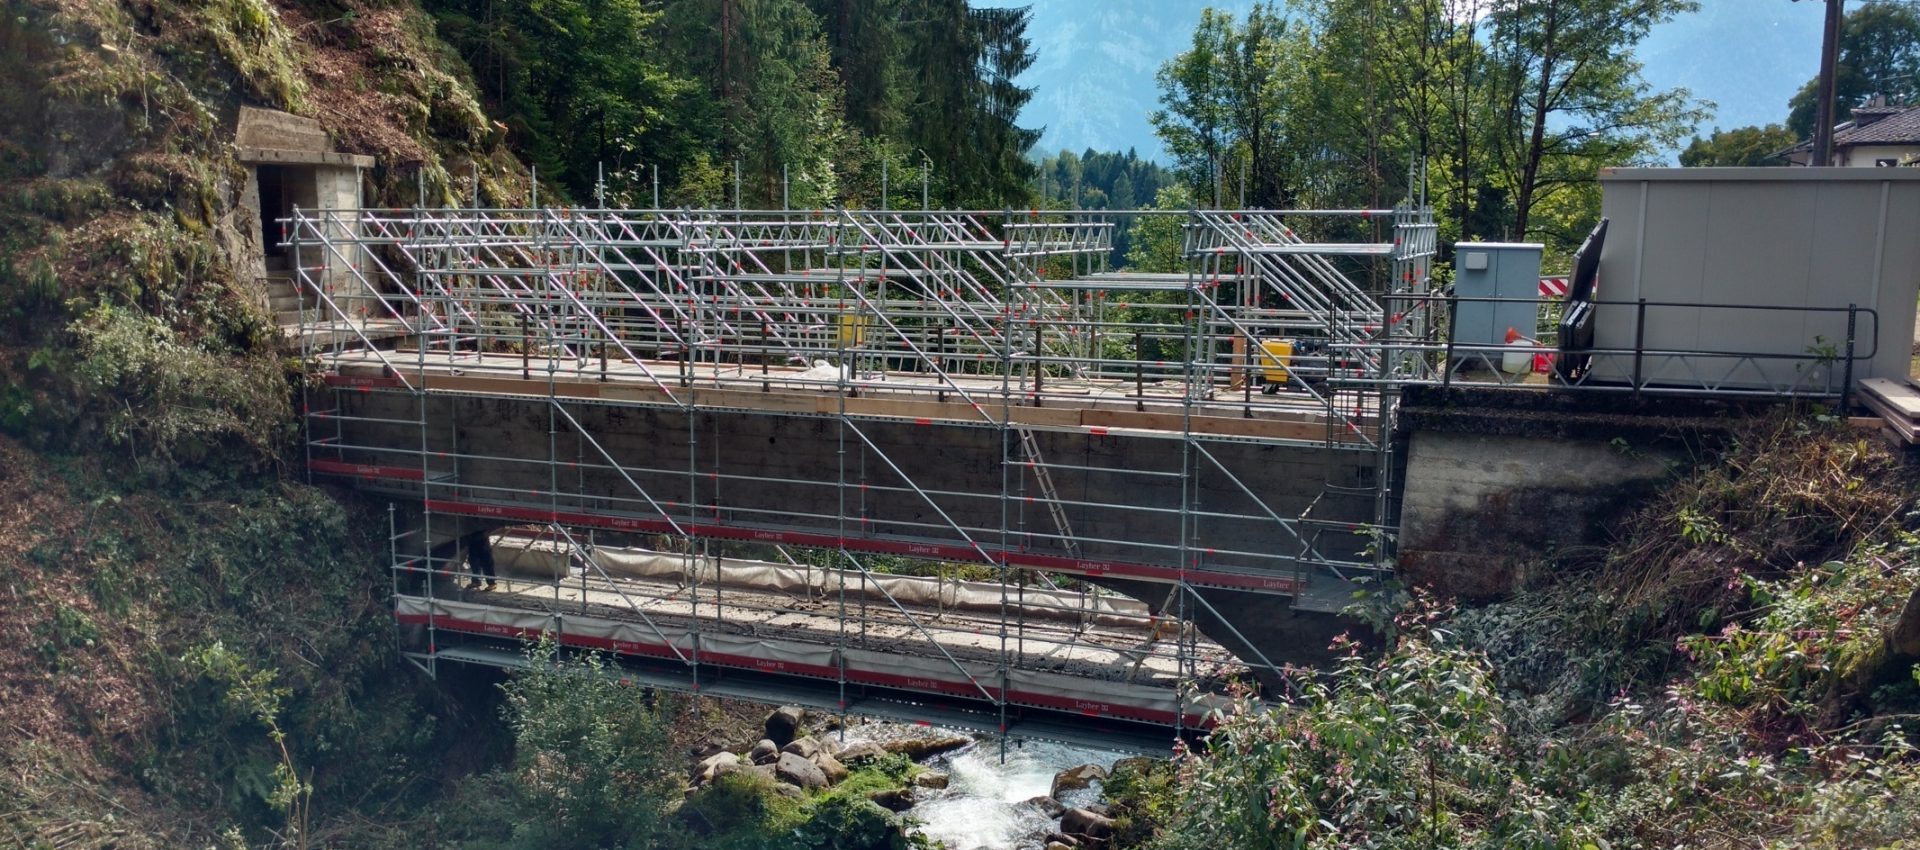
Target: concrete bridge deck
(875,385)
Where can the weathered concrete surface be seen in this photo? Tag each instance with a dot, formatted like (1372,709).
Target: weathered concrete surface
(1257,628)
(1498,480)
(935,481)
(1482,512)
(269,128)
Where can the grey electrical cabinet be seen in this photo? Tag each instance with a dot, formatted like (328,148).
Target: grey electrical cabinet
(1499,270)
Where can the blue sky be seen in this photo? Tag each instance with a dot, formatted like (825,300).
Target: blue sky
(1094,75)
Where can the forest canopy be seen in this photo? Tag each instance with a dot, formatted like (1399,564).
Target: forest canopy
(818,101)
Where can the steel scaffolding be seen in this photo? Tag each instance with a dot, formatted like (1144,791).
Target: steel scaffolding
(1007,326)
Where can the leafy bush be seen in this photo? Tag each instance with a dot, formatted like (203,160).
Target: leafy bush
(593,766)
(156,396)
(1410,750)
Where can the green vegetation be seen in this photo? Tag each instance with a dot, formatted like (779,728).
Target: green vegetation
(594,767)
(1747,147)
(1738,671)
(823,94)
(1879,58)
(746,812)
(1514,106)
(198,650)
(1879,55)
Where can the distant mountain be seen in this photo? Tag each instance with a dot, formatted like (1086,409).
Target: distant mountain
(1094,75)
(1093,79)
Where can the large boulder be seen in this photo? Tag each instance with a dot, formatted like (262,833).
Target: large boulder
(709,767)
(861,753)
(763,752)
(756,770)
(1046,805)
(1138,765)
(931,779)
(1087,823)
(1076,778)
(919,749)
(893,799)
(835,772)
(783,725)
(1061,840)
(805,747)
(797,771)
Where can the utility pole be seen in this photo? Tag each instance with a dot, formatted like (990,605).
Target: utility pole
(1823,110)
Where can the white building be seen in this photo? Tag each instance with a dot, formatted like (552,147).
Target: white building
(1876,136)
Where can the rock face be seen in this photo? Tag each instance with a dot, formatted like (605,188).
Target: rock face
(763,752)
(924,748)
(931,779)
(1083,822)
(1076,778)
(795,770)
(783,725)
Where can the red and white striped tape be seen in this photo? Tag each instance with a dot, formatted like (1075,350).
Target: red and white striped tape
(1554,287)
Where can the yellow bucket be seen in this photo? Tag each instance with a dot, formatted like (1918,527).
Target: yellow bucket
(1275,356)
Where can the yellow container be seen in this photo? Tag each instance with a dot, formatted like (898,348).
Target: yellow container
(853,329)
(1275,356)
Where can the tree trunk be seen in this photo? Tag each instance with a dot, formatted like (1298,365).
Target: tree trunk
(1537,136)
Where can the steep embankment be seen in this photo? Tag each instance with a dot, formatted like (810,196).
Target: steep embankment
(153,549)
(1736,670)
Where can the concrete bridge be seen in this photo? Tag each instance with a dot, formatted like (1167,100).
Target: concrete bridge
(712,441)
(863,392)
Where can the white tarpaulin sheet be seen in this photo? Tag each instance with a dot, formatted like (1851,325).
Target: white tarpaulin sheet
(914,672)
(547,559)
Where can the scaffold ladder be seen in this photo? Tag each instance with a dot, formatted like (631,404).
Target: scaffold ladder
(1031,448)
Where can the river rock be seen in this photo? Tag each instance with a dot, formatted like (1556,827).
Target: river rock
(783,725)
(1076,778)
(1138,765)
(706,749)
(795,770)
(1061,841)
(931,779)
(1047,805)
(893,799)
(835,772)
(709,767)
(1083,822)
(763,752)
(760,771)
(1059,845)
(924,748)
(804,747)
(860,753)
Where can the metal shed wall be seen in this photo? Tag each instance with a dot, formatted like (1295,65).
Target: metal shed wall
(1789,237)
